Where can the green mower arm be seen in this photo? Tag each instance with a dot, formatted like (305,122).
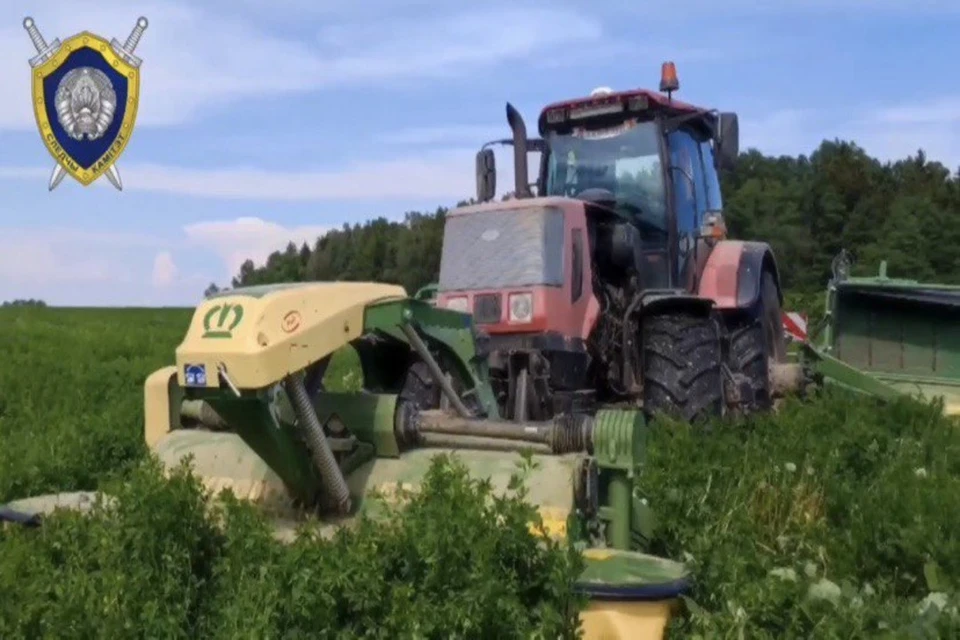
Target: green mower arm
(450,334)
(826,369)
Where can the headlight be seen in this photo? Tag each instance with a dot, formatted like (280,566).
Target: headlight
(457,304)
(521,307)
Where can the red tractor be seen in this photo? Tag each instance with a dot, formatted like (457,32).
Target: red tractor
(615,283)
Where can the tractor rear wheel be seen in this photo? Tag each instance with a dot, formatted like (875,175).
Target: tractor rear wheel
(756,341)
(682,360)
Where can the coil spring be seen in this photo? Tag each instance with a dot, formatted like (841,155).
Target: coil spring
(336,484)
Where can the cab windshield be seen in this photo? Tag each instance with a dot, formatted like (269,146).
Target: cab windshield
(624,159)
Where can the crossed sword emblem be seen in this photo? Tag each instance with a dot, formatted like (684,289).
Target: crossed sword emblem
(46,51)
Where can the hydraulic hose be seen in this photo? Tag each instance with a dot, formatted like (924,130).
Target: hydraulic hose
(333,479)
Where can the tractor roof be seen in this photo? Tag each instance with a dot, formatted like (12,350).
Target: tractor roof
(654,97)
(649,99)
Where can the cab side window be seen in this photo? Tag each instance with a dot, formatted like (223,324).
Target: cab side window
(711,177)
(689,194)
(689,187)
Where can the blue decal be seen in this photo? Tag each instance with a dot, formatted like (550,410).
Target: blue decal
(85,153)
(196,375)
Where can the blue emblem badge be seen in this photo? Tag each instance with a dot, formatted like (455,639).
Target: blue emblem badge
(85,92)
(195,375)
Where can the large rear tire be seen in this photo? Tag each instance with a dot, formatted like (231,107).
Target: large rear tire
(682,359)
(757,341)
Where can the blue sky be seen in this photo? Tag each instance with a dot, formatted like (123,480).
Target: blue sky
(267,121)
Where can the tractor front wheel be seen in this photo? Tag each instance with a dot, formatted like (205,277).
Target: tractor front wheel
(682,359)
(420,388)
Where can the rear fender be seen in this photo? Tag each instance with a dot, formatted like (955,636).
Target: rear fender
(757,257)
(733,274)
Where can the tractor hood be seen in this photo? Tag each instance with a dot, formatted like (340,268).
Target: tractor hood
(518,203)
(593,198)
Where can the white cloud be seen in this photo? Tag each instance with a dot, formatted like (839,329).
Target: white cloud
(895,131)
(438,175)
(896,143)
(447,175)
(196,59)
(939,111)
(782,132)
(452,44)
(442,175)
(164,270)
(447,134)
(248,238)
(71,266)
(707,9)
(192,59)
(25,173)
(296,9)
(887,132)
(40,257)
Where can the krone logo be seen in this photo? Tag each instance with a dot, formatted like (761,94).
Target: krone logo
(215,320)
(85,92)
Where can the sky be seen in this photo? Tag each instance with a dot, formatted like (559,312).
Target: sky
(268,121)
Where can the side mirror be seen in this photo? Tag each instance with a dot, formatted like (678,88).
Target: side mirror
(486,175)
(728,140)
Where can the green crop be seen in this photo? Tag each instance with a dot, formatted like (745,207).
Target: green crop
(71,392)
(832,519)
(156,562)
(455,561)
(835,518)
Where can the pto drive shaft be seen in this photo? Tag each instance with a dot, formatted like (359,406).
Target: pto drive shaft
(564,434)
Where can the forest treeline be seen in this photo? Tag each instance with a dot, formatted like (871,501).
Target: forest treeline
(807,207)
(20,302)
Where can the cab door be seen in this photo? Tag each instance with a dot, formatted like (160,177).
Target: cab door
(689,188)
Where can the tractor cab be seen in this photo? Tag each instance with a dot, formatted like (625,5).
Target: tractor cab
(652,160)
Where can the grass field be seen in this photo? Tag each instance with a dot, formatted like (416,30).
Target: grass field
(833,519)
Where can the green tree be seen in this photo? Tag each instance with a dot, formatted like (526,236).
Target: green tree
(807,207)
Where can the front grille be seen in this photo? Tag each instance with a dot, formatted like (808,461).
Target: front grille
(486,308)
(496,250)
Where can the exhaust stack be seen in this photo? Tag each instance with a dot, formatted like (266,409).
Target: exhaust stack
(520,175)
